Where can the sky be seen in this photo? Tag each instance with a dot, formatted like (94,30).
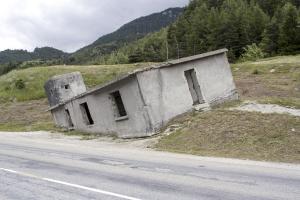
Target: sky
(69,24)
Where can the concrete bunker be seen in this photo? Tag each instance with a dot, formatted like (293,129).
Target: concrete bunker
(139,103)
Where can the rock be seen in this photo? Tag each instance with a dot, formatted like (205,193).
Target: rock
(272,70)
(172,128)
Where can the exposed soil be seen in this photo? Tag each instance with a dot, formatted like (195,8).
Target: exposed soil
(25,114)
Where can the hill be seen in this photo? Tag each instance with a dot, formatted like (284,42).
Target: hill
(44,53)
(260,28)
(129,32)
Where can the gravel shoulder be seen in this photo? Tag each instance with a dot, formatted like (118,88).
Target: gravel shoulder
(267,108)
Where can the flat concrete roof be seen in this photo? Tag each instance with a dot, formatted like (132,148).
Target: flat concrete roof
(133,73)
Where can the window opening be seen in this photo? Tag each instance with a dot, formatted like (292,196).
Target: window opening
(86,114)
(119,105)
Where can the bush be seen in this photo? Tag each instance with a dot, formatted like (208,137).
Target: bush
(255,72)
(20,84)
(252,53)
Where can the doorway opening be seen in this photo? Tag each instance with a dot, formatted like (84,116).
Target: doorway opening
(69,119)
(118,104)
(194,86)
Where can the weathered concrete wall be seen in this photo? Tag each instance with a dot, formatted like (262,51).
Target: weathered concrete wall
(166,90)
(64,87)
(60,117)
(216,80)
(136,125)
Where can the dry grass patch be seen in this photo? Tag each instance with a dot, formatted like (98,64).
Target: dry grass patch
(25,116)
(274,80)
(245,135)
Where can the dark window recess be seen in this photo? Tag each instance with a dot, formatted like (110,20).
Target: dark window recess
(87,117)
(194,86)
(67,86)
(69,119)
(118,103)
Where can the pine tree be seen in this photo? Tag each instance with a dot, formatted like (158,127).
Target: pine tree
(258,21)
(289,40)
(197,37)
(234,32)
(270,37)
(137,56)
(270,6)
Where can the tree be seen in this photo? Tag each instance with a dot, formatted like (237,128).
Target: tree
(289,39)
(258,21)
(137,56)
(269,42)
(270,6)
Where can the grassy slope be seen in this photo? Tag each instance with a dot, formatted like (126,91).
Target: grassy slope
(277,81)
(35,78)
(235,134)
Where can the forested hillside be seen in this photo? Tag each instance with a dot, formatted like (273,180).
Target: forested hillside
(249,29)
(129,32)
(12,59)
(43,53)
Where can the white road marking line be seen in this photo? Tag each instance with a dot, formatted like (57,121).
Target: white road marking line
(71,185)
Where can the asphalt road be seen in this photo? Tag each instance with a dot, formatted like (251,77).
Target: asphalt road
(42,168)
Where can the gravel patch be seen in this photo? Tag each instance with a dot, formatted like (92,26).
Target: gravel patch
(267,108)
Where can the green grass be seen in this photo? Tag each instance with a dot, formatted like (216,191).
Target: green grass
(35,78)
(234,134)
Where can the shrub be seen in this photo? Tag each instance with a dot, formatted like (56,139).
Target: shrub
(20,84)
(252,53)
(255,72)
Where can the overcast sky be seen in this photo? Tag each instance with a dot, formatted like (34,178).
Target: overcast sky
(68,24)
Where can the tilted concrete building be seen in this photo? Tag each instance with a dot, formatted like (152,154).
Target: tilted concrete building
(140,103)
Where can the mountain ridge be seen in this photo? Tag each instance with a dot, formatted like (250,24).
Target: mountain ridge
(129,32)
(20,55)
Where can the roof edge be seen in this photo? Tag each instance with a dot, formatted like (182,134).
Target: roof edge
(192,58)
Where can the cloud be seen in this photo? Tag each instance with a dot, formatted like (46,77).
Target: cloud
(69,24)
